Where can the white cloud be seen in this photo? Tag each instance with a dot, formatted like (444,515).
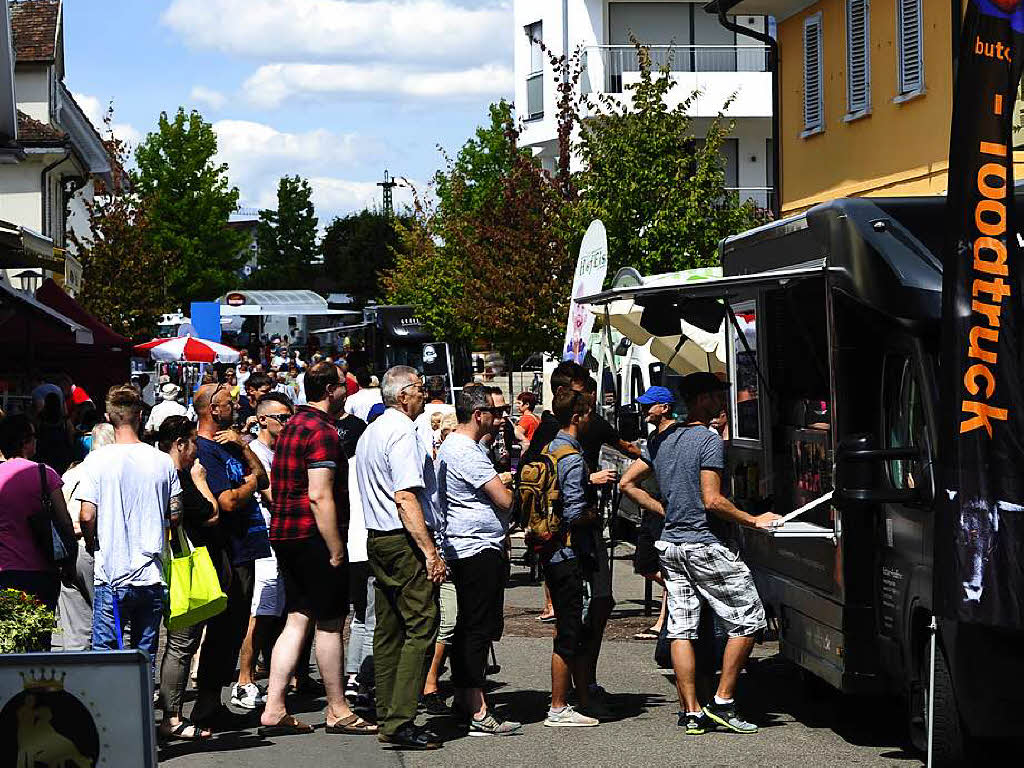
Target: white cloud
(96,111)
(296,30)
(272,84)
(208,97)
(258,155)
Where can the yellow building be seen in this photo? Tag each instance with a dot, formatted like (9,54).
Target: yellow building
(865,95)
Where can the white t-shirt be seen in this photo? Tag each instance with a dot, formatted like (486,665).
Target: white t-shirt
(131,486)
(390,457)
(266,456)
(161,411)
(360,403)
(356,522)
(431,440)
(300,389)
(72,485)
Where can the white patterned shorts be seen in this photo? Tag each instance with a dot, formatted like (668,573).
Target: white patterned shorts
(716,574)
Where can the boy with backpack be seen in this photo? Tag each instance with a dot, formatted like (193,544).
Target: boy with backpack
(554,510)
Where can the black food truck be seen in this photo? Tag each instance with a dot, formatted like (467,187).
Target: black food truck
(393,335)
(834,418)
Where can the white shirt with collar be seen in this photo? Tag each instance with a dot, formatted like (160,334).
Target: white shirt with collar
(390,457)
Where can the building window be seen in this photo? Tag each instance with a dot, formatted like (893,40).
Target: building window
(814,98)
(911,47)
(535,79)
(858,58)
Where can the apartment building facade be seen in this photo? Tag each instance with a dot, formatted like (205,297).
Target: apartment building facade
(866,90)
(702,54)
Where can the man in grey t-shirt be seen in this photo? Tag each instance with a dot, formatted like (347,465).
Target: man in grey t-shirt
(474,505)
(688,460)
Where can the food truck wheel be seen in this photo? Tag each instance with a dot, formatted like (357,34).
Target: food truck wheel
(950,742)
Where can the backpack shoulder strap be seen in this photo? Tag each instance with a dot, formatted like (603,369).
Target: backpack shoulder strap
(560,453)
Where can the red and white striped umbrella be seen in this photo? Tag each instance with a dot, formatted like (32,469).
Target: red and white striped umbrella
(188,349)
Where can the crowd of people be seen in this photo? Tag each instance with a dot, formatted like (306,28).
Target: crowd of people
(385,503)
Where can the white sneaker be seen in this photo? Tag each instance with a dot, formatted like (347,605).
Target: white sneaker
(569,718)
(248,696)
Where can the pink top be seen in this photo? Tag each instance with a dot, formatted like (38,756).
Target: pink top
(20,498)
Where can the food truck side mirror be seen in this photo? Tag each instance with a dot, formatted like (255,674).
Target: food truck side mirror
(860,472)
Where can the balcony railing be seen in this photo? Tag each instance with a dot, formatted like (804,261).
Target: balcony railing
(760,196)
(605,65)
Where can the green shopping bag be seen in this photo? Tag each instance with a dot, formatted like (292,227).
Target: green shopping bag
(194,592)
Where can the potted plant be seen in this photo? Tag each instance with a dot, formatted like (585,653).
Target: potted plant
(25,623)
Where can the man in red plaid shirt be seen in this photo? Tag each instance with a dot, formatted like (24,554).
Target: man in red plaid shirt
(308,524)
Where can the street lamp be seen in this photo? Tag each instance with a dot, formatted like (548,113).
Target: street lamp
(30,280)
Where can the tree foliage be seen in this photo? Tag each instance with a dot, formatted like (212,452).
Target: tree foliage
(358,248)
(490,261)
(659,189)
(121,268)
(190,202)
(287,238)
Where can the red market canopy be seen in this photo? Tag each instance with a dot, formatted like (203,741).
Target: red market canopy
(188,349)
(53,296)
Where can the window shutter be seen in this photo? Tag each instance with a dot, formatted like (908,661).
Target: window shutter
(911,45)
(858,56)
(814,106)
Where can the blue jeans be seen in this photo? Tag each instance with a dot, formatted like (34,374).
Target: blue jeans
(140,608)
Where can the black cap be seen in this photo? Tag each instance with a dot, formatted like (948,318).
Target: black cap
(699,383)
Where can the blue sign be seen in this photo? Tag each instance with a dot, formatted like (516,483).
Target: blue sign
(206,319)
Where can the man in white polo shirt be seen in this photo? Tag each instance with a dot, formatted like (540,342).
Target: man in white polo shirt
(396,484)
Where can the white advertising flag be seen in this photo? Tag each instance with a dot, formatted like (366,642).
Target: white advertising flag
(591,267)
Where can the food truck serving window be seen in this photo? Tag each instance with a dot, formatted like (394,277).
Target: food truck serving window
(746,416)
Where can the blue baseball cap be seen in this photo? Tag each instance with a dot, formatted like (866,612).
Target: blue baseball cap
(656,396)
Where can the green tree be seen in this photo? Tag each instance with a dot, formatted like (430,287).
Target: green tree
(359,247)
(287,238)
(659,190)
(118,259)
(191,201)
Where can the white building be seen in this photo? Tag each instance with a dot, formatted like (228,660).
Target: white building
(50,153)
(703,54)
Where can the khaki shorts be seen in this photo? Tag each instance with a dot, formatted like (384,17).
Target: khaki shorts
(449,613)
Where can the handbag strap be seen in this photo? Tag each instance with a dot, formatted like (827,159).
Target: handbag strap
(44,496)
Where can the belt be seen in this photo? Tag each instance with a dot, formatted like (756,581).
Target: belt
(371,534)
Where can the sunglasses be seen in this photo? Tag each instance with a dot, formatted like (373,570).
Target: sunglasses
(280,418)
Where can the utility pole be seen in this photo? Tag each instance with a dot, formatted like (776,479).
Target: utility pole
(388,184)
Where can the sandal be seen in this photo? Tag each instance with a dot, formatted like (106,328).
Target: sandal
(178,732)
(547,619)
(286,726)
(353,725)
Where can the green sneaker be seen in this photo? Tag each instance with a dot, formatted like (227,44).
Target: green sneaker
(725,716)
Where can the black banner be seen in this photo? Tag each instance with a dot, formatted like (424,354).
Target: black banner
(979,534)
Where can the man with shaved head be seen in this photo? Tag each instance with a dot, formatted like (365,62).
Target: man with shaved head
(235,475)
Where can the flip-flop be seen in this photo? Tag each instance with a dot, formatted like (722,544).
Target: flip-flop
(353,725)
(546,619)
(177,733)
(286,726)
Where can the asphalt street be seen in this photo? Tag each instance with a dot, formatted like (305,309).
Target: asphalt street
(801,721)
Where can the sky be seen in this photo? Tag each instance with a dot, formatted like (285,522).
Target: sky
(333,90)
